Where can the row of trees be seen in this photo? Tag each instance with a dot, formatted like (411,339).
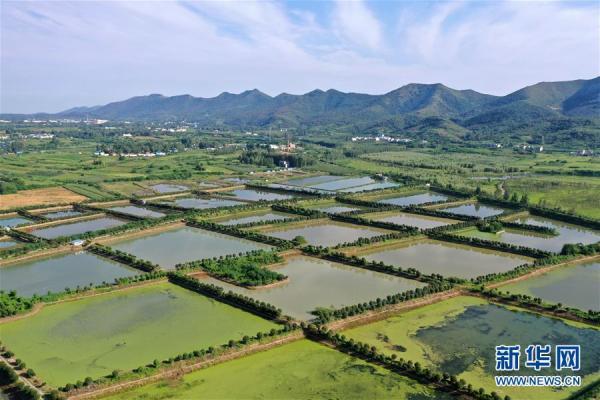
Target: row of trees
(536,304)
(244,269)
(444,382)
(294,209)
(231,230)
(218,293)
(123,257)
(325,315)
(545,230)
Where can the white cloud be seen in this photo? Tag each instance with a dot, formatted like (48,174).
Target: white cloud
(353,21)
(57,54)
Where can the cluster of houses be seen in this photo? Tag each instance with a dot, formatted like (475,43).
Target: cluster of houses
(155,154)
(380,138)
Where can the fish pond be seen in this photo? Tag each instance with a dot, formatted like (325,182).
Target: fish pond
(11,222)
(341,184)
(326,233)
(566,233)
(248,218)
(414,199)
(62,214)
(573,285)
(458,337)
(168,248)
(202,204)
(474,210)
(54,274)
(168,188)
(371,186)
(313,180)
(6,243)
(123,330)
(416,220)
(138,211)
(258,195)
(447,259)
(76,228)
(317,283)
(298,370)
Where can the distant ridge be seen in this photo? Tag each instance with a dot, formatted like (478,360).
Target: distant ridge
(408,106)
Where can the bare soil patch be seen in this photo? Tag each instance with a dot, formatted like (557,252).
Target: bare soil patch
(41,197)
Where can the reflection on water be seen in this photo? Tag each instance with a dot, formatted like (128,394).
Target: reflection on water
(475,210)
(139,211)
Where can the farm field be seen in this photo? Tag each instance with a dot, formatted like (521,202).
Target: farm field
(458,337)
(447,259)
(54,274)
(328,233)
(39,197)
(299,370)
(317,283)
(93,336)
(571,285)
(183,244)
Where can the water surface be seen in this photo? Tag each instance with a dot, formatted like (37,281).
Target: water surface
(344,183)
(255,217)
(185,244)
(257,195)
(201,204)
(574,286)
(313,180)
(62,214)
(414,199)
(447,259)
(419,221)
(328,233)
(7,243)
(372,186)
(475,210)
(318,283)
(169,188)
(337,209)
(139,211)
(54,274)
(11,222)
(77,228)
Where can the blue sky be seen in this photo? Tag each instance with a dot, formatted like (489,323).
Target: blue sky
(56,54)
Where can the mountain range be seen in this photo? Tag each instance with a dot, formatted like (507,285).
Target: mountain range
(417,107)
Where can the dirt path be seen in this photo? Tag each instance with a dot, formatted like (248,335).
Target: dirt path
(184,369)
